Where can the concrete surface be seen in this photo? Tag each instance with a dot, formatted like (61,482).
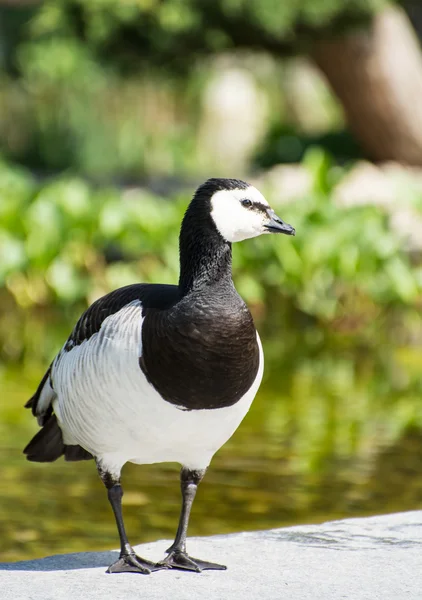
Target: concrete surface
(356,559)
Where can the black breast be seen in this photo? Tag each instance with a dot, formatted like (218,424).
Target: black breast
(200,355)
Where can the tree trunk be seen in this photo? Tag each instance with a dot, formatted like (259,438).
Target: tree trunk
(377,75)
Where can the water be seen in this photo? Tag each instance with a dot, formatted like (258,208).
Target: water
(330,435)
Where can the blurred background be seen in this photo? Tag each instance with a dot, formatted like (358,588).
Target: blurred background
(111,112)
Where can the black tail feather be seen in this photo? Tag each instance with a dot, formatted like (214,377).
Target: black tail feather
(47,445)
(73,453)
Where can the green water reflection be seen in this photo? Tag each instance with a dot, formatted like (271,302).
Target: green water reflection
(332,434)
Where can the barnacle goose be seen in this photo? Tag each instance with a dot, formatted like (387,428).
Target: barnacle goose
(162,373)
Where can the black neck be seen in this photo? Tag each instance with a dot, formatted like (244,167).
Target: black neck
(205,257)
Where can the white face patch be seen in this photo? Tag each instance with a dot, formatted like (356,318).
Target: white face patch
(234,221)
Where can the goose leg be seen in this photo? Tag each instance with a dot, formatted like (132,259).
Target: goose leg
(129,561)
(177,557)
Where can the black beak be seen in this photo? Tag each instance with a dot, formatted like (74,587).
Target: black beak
(276,225)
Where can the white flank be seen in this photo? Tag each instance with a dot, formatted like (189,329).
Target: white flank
(234,221)
(105,404)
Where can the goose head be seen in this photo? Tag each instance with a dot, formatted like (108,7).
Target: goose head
(239,211)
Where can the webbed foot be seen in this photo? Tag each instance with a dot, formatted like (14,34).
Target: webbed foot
(131,563)
(177,559)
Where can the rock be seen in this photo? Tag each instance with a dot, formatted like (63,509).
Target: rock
(356,559)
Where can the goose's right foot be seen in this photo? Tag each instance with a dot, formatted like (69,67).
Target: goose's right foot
(128,561)
(131,563)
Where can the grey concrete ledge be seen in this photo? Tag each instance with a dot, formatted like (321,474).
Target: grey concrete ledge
(373,558)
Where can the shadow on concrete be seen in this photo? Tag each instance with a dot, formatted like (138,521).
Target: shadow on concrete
(64,562)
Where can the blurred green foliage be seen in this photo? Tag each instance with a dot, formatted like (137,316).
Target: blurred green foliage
(65,242)
(136,33)
(114,88)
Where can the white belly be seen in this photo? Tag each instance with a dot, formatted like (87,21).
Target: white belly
(105,404)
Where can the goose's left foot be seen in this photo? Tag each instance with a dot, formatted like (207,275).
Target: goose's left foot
(131,563)
(177,559)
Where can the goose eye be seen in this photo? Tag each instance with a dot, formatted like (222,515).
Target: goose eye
(246,202)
